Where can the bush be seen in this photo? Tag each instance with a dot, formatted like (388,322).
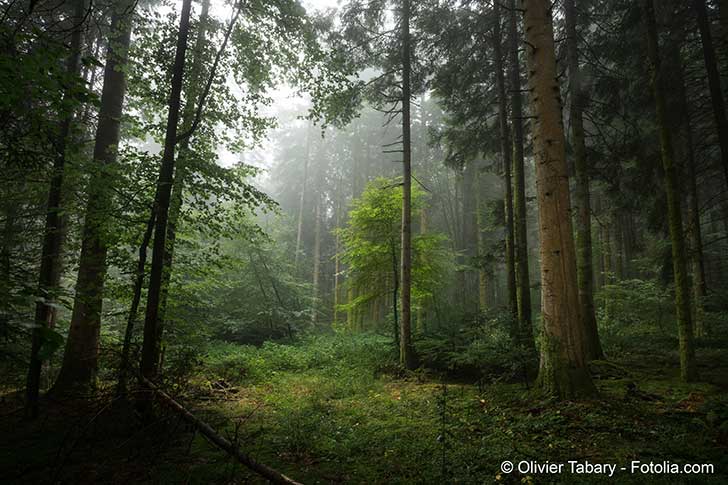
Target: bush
(481,347)
(238,363)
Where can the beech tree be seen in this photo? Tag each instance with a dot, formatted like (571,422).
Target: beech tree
(80,358)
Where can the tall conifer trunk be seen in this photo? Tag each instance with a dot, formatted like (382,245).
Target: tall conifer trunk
(688,370)
(406,353)
(507,159)
(582,195)
(563,370)
(523,284)
(716,92)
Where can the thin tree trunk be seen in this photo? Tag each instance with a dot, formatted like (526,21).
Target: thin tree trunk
(316,261)
(184,152)
(50,263)
(688,370)
(406,353)
(681,122)
(395,296)
(583,200)
(134,308)
(523,285)
(421,311)
(302,200)
(80,358)
(337,256)
(507,159)
(480,227)
(716,93)
(152,323)
(563,370)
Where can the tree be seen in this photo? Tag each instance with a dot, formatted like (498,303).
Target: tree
(406,353)
(80,358)
(371,248)
(716,93)
(152,323)
(583,203)
(688,370)
(50,267)
(506,148)
(523,284)
(563,369)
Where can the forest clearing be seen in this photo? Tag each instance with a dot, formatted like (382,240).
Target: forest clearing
(363,241)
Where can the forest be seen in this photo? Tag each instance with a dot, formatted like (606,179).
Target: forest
(363,241)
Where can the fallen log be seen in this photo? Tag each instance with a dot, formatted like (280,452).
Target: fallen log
(222,443)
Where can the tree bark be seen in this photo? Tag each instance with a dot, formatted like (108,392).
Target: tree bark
(680,122)
(716,93)
(585,271)
(688,369)
(270,474)
(406,352)
(80,358)
(184,152)
(316,261)
(523,284)
(563,370)
(507,159)
(152,323)
(302,201)
(50,263)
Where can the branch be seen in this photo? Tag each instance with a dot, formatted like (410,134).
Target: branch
(208,85)
(222,443)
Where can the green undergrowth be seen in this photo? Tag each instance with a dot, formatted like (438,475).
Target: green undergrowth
(335,410)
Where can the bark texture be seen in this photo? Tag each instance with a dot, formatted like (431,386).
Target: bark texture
(406,352)
(523,285)
(563,370)
(585,271)
(507,160)
(80,359)
(51,262)
(688,370)
(152,323)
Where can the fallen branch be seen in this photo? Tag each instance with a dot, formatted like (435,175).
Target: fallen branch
(207,430)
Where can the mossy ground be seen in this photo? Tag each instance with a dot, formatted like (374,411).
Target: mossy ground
(335,411)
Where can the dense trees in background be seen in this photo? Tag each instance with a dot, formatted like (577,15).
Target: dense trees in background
(452,169)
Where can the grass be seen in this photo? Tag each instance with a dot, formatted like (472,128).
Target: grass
(335,409)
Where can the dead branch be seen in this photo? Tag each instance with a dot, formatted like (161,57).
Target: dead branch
(214,437)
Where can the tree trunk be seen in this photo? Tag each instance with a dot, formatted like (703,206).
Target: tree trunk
(152,323)
(50,263)
(80,358)
(585,271)
(406,352)
(181,167)
(716,93)
(523,285)
(480,227)
(316,261)
(507,159)
(680,122)
(299,228)
(563,370)
(688,370)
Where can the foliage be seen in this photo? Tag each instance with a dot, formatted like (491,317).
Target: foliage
(371,245)
(481,347)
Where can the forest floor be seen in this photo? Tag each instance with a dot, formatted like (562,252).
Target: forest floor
(328,411)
